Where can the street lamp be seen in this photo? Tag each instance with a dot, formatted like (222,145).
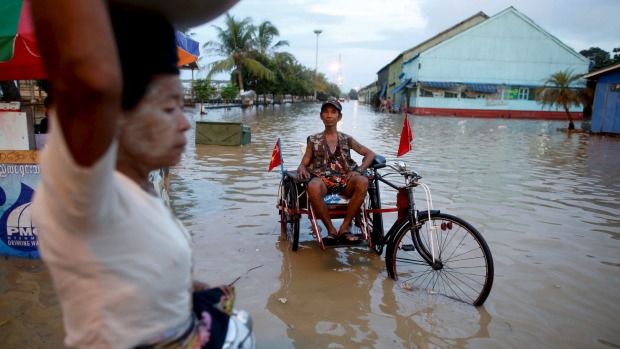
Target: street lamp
(316,63)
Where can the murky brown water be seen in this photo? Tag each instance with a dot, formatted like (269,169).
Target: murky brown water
(548,204)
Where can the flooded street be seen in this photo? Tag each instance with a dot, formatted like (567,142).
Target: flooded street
(547,202)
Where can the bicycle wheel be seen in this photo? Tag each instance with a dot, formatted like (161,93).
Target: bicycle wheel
(289,220)
(463,265)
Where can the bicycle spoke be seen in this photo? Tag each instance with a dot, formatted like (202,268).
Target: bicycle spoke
(461,269)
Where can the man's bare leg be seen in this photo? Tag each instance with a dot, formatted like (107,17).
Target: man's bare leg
(356,189)
(316,191)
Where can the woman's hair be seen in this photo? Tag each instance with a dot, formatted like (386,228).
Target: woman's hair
(146,47)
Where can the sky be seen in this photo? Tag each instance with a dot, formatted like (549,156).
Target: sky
(359,37)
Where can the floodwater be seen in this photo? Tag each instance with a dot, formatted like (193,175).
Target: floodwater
(547,202)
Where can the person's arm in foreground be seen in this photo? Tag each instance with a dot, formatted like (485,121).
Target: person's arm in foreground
(78,46)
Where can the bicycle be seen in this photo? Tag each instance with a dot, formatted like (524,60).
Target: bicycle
(425,249)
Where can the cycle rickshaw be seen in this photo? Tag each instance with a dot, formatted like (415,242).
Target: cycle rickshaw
(424,249)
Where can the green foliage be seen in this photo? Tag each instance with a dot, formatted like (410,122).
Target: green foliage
(616,58)
(353,94)
(251,57)
(203,89)
(230,92)
(600,58)
(236,42)
(564,90)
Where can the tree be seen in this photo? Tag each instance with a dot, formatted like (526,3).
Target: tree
(264,36)
(353,94)
(562,90)
(229,92)
(237,44)
(203,89)
(616,58)
(599,58)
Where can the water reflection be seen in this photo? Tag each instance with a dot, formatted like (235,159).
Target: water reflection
(547,202)
(342,299)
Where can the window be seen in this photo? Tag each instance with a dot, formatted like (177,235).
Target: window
(450,95)
(614,87)
(524,93)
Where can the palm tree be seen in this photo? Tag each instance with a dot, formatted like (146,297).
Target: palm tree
(264,37)
(236,43)
(562,90)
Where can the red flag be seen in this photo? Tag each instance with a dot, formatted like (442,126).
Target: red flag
(276,157)
(406,137)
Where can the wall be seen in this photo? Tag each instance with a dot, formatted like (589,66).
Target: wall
(606,110)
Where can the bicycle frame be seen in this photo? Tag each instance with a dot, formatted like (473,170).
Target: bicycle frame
(426,249)
(406,206)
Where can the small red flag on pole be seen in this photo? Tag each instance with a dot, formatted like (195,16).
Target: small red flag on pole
(276,156)
(406,137)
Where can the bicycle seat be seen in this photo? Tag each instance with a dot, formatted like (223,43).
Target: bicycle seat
(292,175)
(378,162)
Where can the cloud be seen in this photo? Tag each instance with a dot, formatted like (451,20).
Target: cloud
(368,34)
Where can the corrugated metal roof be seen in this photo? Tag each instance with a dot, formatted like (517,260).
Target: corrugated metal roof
(439,84)
(485,88)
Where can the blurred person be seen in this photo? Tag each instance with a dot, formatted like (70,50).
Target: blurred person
(43,124)
(121,263)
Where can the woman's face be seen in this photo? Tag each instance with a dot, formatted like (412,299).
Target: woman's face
(153,132)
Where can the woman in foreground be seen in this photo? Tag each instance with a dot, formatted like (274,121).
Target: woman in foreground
(121,263)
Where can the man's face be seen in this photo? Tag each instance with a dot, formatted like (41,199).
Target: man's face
(330,115)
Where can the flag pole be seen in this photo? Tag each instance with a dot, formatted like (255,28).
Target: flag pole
(281,159)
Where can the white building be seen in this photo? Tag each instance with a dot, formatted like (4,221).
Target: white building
(488,70)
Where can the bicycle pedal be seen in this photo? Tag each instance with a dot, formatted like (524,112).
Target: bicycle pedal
(408,247)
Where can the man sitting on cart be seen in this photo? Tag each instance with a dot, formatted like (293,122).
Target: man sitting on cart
(328,164)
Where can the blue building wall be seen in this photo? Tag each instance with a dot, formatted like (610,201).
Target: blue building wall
(606,110)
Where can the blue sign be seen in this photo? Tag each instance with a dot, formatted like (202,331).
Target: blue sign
(18,237)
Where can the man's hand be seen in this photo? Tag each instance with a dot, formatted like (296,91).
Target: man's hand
(302,172)
(352,174)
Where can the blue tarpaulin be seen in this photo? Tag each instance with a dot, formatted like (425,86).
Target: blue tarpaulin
(383,89)
(439,84)
(402,84)
(485,88)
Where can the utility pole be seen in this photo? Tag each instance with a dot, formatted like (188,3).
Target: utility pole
(316,63)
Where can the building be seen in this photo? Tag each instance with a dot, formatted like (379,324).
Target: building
(483,67)
(393,79)
(364,95)
(606,110)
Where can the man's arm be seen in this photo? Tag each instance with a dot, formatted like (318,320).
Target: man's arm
(368,154)
(302,170)
(80,56)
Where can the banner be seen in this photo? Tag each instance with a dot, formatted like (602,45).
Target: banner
(406,137)
(276,156)
(18,236)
